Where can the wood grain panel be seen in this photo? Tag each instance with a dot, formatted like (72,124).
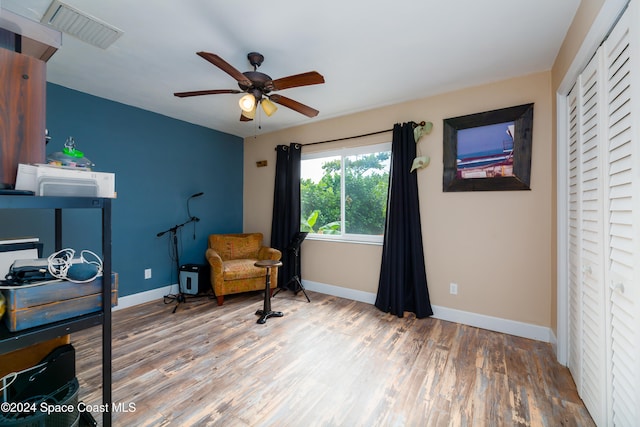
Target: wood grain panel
(22,112)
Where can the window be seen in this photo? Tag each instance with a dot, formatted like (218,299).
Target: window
(344,193)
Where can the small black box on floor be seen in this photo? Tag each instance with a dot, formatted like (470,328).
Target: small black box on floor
(194,279)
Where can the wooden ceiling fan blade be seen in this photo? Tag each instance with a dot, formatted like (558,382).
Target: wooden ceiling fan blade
(304,79)
(206,92)
(244,118)
(294,105)
(226,67)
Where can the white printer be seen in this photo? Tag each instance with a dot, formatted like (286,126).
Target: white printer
(47,180)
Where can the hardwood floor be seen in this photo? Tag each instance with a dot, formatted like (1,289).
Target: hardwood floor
(331,362)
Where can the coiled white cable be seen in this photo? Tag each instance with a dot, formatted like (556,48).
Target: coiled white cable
(60,262)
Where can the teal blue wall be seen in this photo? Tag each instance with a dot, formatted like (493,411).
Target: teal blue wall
(158,162)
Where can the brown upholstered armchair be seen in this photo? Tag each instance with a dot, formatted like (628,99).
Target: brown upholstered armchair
(232,258)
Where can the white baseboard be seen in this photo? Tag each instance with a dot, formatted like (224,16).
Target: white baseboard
(142,297)
(506,326)
(338,291)
(553,340)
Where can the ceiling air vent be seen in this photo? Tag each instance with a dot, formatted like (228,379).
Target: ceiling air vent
(80,25)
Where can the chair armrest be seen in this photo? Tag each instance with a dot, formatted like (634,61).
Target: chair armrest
(269,253)
(215,262)
(213,257)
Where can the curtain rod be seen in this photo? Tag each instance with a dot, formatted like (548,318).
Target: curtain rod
(422,123)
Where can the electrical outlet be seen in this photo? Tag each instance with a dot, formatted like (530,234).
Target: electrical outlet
(453,288)
(147,273)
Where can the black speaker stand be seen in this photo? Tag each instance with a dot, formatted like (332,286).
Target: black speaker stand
(294,247)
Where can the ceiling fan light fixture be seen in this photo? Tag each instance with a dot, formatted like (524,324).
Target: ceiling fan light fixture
(268,106)
(255,87)
(251,114)
(247,103)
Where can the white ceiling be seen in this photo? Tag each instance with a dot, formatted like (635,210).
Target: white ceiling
(371,54)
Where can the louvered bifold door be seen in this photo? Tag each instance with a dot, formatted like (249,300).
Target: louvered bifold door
(591,232)
(575,275)
(623,223)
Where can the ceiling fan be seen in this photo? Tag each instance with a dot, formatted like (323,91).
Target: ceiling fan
(258,87)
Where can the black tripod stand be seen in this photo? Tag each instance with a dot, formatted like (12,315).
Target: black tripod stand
(294,247)
(174,238)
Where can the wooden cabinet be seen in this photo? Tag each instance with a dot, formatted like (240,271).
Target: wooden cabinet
(22,113)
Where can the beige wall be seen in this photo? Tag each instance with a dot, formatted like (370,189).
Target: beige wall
(582,21)
(495,245)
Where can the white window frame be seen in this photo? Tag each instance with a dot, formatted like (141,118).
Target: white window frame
(345,152)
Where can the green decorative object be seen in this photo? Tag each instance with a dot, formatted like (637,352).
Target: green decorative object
(420,162)
(422,130)
(419,131)
(70,156)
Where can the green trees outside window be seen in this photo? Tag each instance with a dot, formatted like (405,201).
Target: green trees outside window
(345,194)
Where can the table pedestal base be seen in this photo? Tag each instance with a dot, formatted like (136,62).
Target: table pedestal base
(264,315)
(266,311)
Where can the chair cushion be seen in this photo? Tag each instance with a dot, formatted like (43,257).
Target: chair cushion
(239,247)
(236,269)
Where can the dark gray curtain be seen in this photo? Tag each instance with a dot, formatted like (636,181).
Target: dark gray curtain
(286,209)
(403,279)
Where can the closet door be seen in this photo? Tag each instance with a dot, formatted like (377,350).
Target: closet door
(604,227)
(575,277)
(587,294)
(623,223)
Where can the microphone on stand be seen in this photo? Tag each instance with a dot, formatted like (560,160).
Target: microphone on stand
(193,218)
(193,196)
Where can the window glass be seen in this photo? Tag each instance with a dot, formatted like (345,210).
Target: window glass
(344,193)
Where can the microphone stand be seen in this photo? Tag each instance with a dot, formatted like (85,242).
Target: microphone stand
(174,237)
